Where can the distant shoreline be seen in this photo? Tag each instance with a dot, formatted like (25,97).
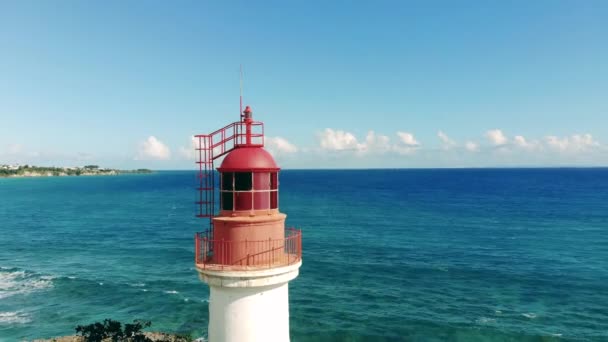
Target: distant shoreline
(9,171)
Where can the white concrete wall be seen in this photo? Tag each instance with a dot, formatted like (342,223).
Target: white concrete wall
(249,314)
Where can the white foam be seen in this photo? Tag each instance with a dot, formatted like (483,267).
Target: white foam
(138,285)
(71,277)
(485,320)
(530,315)
(101,284)
(14,318)
(171,292)
(20,282)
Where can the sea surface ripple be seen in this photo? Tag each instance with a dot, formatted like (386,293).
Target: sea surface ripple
(389,255)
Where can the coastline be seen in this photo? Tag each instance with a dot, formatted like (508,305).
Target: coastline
(30,172)
(49,174)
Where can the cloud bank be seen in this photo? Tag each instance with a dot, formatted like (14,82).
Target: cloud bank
(153,149)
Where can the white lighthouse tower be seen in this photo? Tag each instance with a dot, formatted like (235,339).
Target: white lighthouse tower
(247,257)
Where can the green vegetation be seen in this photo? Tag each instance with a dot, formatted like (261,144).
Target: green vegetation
(42,171)
(110,330)
(113,330)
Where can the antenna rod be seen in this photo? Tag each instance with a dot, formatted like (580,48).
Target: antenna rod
(241,94)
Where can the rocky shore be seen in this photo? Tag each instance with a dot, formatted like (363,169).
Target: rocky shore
(154,336)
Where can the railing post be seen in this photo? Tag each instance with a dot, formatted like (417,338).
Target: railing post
(223,254)
(205,252)
(247,250)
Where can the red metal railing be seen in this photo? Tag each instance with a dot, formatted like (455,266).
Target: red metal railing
(212,146)
(221,254)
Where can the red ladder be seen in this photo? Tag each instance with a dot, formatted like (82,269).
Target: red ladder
(212,146)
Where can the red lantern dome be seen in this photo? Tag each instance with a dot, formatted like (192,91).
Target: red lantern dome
(248,159)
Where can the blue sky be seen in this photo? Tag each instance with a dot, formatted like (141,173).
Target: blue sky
(439,83)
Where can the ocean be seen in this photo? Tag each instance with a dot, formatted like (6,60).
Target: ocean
(389,255)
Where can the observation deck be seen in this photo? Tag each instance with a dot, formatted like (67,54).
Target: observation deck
(214,254)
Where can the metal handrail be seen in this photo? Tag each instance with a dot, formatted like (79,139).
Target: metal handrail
(236,135)
(212,146)
(222,254)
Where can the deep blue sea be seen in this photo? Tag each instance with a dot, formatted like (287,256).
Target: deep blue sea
(389,255)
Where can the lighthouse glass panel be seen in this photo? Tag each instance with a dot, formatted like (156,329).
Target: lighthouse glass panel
(274,194)
(243,181)
(243,200)
(274,200)
(274,180)
(227,179)
(226,194)
(261,187)
(227,200)
(261,181)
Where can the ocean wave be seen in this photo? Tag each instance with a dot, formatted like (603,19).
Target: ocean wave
(14,318)
(485,320)
(171,292)
(15,282)
(530,315)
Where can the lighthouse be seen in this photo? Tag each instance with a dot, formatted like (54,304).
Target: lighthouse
(247,256)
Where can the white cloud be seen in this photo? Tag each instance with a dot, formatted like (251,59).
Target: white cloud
(375,143)
(471,146)
(152,148)
(338,140)
(496,137)
(407,143)
(573,143)
(189,152)
(279,145)
(521,142)
(408,139)
(447,142)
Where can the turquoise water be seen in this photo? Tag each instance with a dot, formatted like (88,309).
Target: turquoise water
(389,255)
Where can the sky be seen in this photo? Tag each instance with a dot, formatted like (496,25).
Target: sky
(338,84)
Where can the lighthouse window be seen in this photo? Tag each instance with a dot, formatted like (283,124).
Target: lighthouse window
(274,180)
(227,203)
(243,201)
(243,181)
(227,180)
(274,200)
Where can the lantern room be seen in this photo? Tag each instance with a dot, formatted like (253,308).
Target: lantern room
(249,181)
